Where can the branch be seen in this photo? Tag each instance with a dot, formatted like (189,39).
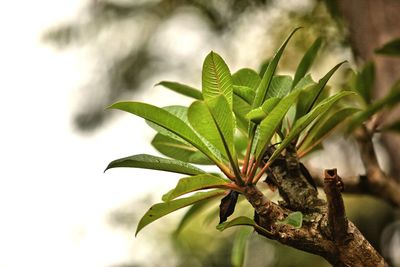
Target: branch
(336,213)
(314,236)
(284,172)
(362,185)
(325,230)
(378,182)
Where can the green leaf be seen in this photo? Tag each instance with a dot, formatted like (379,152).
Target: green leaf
(178,111)
(202,121)
(246,77)
(269,125)
(161,209)
(167,120)
(307,61)
(294,219)
(216,78)
(191,213)
(305,121)
(304,82)
(323,128)
(242,220)
(224,120)
(263,67)
(240,143)
(280,86)
(258,114)
(145,161)
(391,48)
(239,248)
(241,108)
(177,150)
(194,183)
(182,89)
(244,92)
(393,127)
(309,99)
(264,85)
(365,81)
(392,98)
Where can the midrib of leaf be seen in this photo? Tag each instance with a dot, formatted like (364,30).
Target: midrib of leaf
(215,73)
(179,146)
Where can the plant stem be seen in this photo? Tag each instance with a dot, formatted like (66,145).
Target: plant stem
(226,171)
(250,166)
(254,170)
(260,173)
(246,157)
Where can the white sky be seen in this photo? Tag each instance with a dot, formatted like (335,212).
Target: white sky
(54,197)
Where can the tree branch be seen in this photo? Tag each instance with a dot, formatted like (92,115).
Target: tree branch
(315,235)
(336,213)
(375,182)
(379,183)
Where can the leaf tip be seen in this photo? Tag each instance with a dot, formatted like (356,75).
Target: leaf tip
(113,106)
(162,83)
(137,232)
(221,226)
(166,197)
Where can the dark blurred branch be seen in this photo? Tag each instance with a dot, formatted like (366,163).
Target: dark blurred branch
(365,35)
(379,186)
(379,183)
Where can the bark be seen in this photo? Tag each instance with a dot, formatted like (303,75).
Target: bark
(319,233)
(325,231)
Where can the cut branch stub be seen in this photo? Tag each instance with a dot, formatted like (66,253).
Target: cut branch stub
(337,220)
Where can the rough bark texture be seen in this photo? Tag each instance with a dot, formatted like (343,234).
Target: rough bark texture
(318,234)
(325,230)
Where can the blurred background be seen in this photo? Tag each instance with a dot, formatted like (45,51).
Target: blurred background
(63,62)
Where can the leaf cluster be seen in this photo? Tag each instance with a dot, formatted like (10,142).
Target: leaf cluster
(231,123)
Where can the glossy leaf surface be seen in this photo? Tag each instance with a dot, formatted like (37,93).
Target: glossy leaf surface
(246,77)
(307,61)
(264,85)
(216,78)
(324,127)
(145,161)
(182,89)
(194,183)
(309,100)
(161,209)
(269,125)
(304,121)
(167,120)
(242,220)
(177,150)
